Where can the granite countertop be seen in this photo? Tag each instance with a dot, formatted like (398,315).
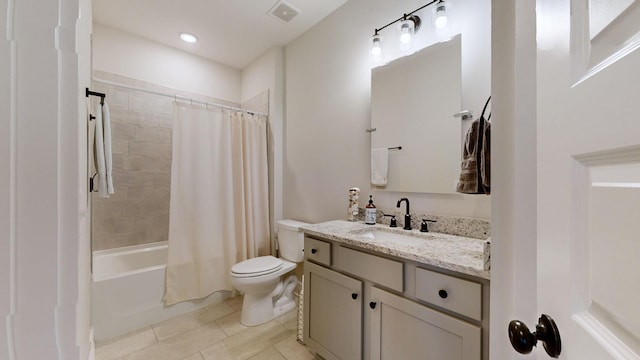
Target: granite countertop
(456,253)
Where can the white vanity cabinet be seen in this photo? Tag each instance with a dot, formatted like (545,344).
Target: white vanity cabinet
(333,312)
(404,329)
(363,305)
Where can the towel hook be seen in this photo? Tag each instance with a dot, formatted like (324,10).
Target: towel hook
(88,93)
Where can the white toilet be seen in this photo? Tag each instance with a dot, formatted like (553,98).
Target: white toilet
(266,294)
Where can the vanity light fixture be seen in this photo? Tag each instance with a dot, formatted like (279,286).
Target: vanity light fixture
(190,38)
(409,26)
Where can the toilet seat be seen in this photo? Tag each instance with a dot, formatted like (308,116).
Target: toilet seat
(258,266)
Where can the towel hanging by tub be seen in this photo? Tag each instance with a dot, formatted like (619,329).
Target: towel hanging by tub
(102,151)
(108,153)
(475,174)
(98,153)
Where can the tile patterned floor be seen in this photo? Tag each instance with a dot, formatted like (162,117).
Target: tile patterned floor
(213,332)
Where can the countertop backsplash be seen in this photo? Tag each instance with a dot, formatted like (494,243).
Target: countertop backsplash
(461,226)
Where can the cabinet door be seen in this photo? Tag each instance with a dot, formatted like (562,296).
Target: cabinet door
(403,329)
(332,313)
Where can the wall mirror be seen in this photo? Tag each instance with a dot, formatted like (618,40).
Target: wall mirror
(413,100)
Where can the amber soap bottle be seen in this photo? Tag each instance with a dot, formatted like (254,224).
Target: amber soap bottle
(370,212)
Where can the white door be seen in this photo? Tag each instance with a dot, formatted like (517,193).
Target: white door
(588,174)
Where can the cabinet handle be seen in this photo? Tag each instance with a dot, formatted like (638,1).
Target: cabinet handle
(443,294)
(354,296)
(372,305)
(313,251)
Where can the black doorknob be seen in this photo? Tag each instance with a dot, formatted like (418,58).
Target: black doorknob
(524,340)
(313,251)
(372,305)
(354,296)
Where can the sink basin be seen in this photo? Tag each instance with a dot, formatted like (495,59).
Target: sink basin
(392,237)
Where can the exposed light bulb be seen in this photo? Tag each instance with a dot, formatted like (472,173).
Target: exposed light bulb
(405,33)
(376,47)
(441,16)
(190,38)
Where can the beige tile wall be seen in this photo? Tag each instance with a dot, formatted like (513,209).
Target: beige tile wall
(138,212)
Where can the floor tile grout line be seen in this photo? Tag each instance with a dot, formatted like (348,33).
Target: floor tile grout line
(153,326)
(153,329)
(193,353)
(281,321)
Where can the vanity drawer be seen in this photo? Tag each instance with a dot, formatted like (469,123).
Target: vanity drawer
(382,271)
(461,296)
(317,250)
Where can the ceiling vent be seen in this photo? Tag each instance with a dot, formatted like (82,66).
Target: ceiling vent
(283,12)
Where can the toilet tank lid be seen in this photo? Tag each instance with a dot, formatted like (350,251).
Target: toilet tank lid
(292,225)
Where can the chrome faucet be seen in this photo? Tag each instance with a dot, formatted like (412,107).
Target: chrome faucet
(407,216)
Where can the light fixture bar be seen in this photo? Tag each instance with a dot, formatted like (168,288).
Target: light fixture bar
(405,16)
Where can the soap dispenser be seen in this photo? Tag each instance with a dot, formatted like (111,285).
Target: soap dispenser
(370,212)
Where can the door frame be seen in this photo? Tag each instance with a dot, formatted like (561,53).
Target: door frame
(514,194)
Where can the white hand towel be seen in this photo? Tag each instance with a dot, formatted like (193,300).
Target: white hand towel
(98,152)
(379,166)
(106,124)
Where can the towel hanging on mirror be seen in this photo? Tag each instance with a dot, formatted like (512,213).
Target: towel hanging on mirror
(475,174)
(379,166)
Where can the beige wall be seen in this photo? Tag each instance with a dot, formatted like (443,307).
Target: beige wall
(327,102)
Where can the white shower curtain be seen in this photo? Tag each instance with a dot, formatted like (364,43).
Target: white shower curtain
(219,212)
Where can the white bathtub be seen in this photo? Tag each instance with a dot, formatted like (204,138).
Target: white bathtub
(128,290)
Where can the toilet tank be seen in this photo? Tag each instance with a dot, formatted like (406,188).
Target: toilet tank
(291,240)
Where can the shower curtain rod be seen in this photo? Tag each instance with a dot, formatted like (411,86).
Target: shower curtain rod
(176,97)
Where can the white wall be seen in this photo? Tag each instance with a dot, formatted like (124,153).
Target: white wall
(327,101)
(135,57)
(267,73)
(42,298)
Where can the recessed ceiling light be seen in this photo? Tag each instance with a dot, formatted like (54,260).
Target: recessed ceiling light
(190,38)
